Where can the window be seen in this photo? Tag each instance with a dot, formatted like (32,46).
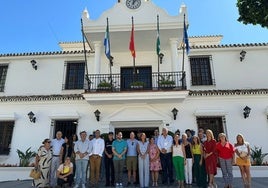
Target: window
(6,131)
(75,74)
(201,71)
(3,74)
(213,123)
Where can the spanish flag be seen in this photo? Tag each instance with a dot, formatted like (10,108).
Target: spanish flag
(131,43)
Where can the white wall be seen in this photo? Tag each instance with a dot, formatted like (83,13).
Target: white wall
(231,73)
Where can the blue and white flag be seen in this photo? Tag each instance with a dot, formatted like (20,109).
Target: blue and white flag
(107,42)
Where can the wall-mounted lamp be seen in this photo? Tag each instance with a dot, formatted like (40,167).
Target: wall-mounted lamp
(246,112)
(242,55)
(32,117)
(160,56)
(97,115)
(174,112)
(33,62)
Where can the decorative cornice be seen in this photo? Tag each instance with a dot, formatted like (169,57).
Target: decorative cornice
(72,97)
(228,92)
(42,98)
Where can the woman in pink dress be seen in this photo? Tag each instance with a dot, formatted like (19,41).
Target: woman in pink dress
(155,163)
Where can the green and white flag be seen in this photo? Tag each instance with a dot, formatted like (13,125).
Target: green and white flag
(158,38)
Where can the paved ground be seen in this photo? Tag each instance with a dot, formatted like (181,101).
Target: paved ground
(256,183)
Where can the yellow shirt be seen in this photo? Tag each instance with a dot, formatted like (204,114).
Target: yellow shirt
(196,149)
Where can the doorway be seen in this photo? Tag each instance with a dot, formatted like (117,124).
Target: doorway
(213,123)
(149,131)
(67,127)
(143,74)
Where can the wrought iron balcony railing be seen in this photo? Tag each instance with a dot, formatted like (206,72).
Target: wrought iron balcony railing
(136,82)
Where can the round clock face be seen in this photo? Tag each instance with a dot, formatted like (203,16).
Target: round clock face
(133,4)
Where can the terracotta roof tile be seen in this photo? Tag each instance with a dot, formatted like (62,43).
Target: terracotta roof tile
(44,53)
(228,92)
(41,98)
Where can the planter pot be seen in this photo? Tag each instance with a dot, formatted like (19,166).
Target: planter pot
(256,171)
(104,89)
(14,173)
(166,86)
(136,87)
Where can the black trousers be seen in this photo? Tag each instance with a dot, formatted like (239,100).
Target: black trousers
(109,169)
(167,168)
(69,180)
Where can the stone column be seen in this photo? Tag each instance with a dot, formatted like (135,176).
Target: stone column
(175,63)
(97,61)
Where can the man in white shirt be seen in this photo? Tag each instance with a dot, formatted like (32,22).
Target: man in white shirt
(95,158)
(56,144)
(164,144)
(82,149)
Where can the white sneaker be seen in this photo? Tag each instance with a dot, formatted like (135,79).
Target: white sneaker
(117,185)
(120,185)
(76,186)
(83,186)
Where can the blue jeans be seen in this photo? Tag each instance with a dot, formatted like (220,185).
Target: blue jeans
(55,163)
(81,170)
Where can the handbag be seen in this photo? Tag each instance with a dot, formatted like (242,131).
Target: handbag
(35,173)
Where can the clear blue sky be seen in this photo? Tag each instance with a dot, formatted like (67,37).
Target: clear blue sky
(39,25)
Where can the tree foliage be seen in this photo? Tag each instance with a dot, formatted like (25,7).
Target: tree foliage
(253,12)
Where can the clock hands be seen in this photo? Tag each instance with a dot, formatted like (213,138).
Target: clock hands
(133,4)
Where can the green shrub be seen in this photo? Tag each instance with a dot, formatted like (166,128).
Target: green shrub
(25,157)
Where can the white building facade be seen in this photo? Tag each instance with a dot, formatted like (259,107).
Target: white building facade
(63,88)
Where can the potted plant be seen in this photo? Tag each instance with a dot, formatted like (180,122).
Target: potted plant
(25,157)
(137,85)
(104,85)
(257,155)
(10,172)
(166,82)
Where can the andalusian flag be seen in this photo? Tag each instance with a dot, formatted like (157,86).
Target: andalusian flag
(158,38)
(107,42)
(131,43)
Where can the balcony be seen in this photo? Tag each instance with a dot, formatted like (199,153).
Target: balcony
(125,88)
(168,81)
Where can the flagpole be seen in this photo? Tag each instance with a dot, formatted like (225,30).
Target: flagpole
(134,66)
(110,58)
(85,55)
(158,58)
(183,54)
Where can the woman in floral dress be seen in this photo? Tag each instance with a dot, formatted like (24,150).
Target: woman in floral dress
(43,162)
(155,163)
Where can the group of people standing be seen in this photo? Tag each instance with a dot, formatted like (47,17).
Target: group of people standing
(222,154)
(194,157)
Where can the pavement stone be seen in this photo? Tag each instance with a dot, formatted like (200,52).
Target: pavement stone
(256,183)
